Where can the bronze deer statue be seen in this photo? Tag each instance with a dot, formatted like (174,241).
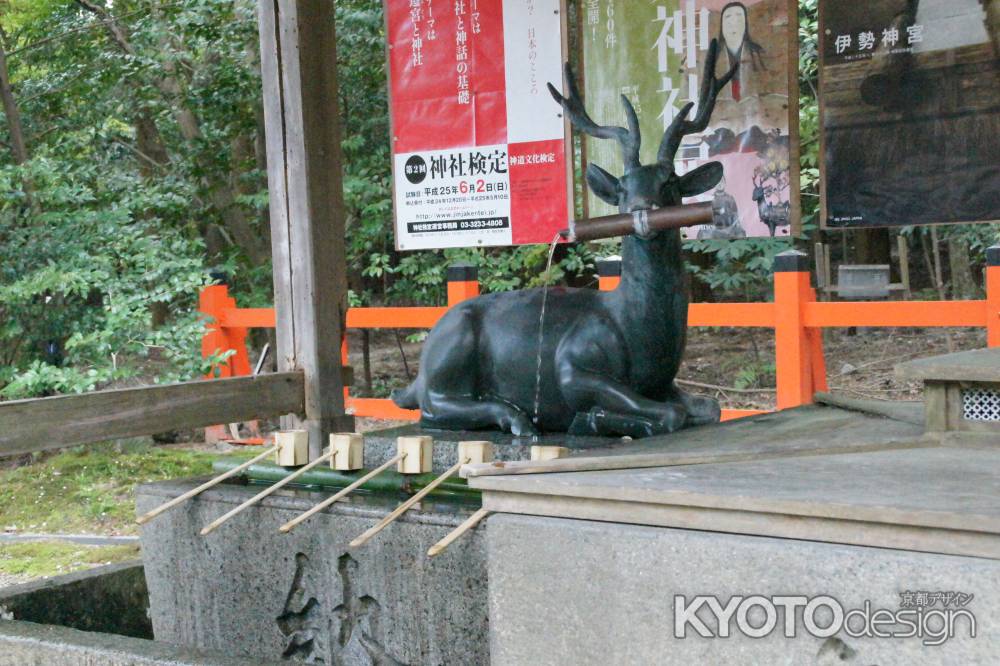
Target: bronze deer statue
(608,359)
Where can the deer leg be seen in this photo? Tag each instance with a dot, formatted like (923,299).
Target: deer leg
(701,409)
(450,399)
(600,423)
(464,413)
(584,390)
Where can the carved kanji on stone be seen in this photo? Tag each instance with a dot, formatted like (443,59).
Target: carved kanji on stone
(301,621)
(350,635)
(359,616)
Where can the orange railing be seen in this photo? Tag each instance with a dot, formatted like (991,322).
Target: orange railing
(795,315)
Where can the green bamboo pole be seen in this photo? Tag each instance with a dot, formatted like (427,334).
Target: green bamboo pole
(389,482)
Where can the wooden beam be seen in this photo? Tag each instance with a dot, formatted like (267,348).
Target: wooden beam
(606,463)
(301,113)
(53,423)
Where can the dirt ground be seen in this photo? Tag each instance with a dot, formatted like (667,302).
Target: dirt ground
(734,365)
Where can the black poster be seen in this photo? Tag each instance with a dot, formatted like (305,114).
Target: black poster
(910,102)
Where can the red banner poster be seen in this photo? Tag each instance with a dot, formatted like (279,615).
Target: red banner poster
(479,146)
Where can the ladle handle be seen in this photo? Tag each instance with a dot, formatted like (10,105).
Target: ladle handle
(215,524)
(145,518)
(405,506)
(471,522)
(291,524)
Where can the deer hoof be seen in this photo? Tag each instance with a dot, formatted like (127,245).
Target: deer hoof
(521,426)
(672,421)
(702,410)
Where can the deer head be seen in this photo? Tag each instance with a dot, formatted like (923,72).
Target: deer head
(652,185)
(758,187)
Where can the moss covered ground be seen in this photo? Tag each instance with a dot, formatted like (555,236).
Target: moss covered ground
(89,490)
(84,490)
(37,559)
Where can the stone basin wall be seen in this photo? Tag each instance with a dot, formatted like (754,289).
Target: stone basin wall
(247,589)
(96,617)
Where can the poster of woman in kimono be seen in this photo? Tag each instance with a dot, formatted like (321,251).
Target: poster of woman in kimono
(653,53)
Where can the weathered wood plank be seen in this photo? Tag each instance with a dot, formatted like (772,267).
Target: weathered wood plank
(57,422)
(978,365)
(682,459)
(299,70)
(910,412)
(270,66)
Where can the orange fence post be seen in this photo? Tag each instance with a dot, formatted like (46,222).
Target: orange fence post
(794,351)
(463,283)
(817,360)
(212,301)
(993,296)
(345,361)
(609,273)
(239,363)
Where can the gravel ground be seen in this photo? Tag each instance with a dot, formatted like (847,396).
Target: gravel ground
(6,580)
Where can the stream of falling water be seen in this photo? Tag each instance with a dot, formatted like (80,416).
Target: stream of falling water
(541,327)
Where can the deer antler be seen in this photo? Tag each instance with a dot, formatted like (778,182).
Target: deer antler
(629,139)
(710,88)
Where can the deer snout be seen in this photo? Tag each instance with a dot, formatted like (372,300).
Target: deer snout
(640,206)
(640,222)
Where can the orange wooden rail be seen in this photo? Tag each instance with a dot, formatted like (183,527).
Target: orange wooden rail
(795,315)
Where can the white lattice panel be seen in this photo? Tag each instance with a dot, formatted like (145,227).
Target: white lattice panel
(981,405)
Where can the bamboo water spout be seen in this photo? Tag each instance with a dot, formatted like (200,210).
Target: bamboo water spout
(640,222)
(292,524)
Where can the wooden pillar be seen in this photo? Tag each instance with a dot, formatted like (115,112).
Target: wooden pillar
(992,8)
(304,164)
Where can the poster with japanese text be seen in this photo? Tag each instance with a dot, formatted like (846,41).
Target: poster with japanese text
(910,94)
(653,52)
(479,145)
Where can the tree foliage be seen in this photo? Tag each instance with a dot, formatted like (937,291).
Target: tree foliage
(132,168)
(139,123)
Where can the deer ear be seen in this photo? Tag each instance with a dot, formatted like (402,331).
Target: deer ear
(701,179)
(603,184)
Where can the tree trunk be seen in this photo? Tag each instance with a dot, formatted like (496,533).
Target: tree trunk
(963,284)
(222,190)
(872,246)
(936,254)
(150,144)
(700,291)
(18,147)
